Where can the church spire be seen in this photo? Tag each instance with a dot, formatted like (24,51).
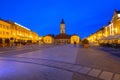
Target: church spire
(62,27)
(62,22)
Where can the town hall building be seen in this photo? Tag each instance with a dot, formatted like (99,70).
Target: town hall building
(61,38)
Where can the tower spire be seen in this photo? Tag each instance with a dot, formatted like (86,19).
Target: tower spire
(62,22)
(62,27)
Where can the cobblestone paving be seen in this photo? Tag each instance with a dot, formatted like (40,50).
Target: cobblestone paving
(78,70)
(58,63)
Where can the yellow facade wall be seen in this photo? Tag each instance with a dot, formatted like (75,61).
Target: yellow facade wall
(109,32)
(16,32)
(4,29)
(48,40)
(75,38)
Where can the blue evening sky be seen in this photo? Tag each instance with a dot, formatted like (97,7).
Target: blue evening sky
(82,17)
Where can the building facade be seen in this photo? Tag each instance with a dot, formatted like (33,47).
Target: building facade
(75,38)
(12,33)
(48,39)
(5,33)
(64,38)
(110,33)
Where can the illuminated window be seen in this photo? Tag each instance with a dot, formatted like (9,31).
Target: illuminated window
(7,27)
(7,33)
(0,25)
(3,26)
(3,32)
(0,32)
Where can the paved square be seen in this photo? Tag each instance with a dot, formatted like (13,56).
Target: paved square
(58,63)
(106,75)
(94,72)
(84,70)
(116,77)
(75,68)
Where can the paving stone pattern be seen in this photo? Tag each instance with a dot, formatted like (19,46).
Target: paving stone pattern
(78,69)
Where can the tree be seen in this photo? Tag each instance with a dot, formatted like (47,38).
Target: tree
(85,41)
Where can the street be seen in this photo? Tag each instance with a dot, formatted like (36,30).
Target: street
(59,62)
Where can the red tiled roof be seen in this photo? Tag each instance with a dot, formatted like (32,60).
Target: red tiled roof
(62,36)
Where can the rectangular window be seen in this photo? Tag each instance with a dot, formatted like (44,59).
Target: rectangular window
(7,27)
(3,33)
(3,26)
(0,40)
(0,32)
(0,25)
(7,33)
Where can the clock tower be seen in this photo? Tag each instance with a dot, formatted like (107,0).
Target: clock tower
(62,27)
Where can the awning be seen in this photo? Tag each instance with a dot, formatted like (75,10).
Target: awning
(107,38)
(117,36)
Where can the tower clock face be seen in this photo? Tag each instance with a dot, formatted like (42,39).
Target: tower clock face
(119,15)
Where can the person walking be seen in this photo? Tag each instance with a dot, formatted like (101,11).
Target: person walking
(74,44)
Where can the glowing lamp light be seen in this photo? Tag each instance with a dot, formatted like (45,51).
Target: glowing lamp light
(40,38)
(119,15)
(22,26)
(30,36)
(116,30)
(13,33)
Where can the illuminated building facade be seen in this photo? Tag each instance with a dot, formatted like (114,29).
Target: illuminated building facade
(63,38)
(12,32)
(75,38)
(48,39)
(108,34)
(5,32)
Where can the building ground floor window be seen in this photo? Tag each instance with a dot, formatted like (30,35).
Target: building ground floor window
(5,42)
(62,41)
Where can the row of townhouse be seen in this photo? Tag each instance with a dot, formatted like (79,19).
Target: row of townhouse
(12,32)
(108,34)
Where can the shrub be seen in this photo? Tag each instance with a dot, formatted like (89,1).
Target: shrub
(85,41)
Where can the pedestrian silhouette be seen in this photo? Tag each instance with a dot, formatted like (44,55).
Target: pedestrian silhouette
(74,44)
